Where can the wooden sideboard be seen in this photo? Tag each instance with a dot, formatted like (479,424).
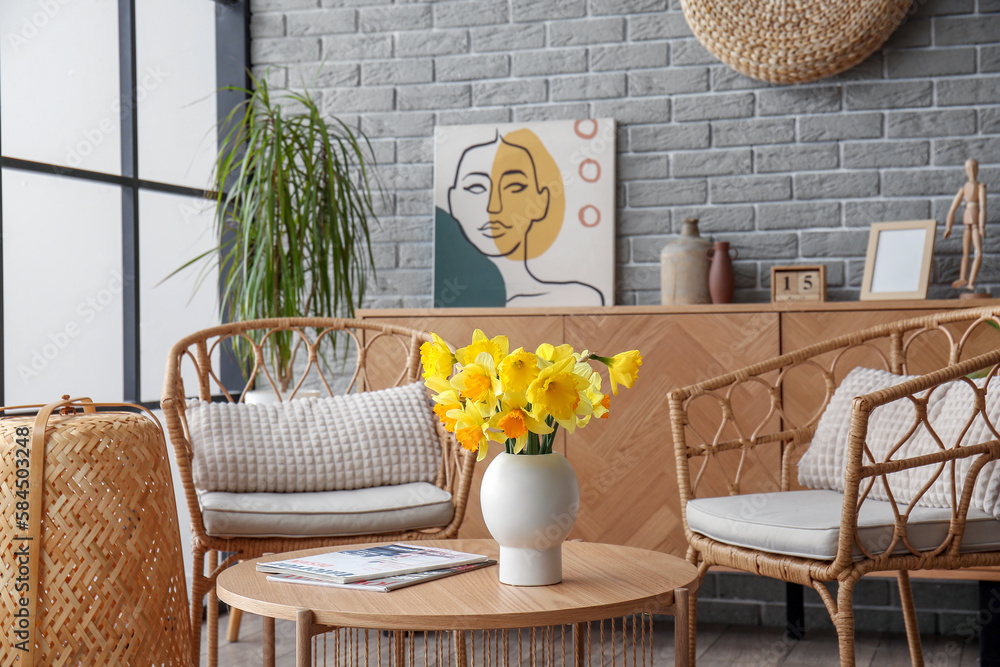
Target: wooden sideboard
(628,485)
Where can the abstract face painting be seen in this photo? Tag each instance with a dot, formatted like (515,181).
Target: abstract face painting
(524,214)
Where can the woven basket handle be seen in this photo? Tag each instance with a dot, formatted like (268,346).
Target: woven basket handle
(35,496)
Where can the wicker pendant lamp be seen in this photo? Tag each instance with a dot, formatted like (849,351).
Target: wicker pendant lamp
(793,41)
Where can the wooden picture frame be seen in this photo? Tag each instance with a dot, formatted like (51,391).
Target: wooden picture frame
(798,283)
(898,262)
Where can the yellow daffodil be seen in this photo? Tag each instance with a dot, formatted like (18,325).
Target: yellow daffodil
(478,382)
(446,399)
(583,369)
(518,370)
(519,399)
(599,402)
(442,410)
(623,368)
(556,390)
(585,409)
(552,354)
(515,420)
(439,385)
(436,358)
(471,429)
(497,347)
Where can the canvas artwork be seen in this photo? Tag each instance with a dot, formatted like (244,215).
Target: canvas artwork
(525,214)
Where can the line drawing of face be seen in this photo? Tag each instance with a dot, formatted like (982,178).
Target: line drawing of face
(496,197)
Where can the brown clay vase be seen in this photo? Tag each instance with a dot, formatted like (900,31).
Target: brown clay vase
(720,274)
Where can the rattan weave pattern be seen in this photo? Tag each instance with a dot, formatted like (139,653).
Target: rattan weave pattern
(111,569)
(385,356)
(946,342)
(793,41)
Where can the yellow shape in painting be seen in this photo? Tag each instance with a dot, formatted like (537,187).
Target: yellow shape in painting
(527,195)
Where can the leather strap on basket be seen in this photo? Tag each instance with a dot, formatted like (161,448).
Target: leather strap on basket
(35,495)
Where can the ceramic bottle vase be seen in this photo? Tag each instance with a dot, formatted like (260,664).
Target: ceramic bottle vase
(684,267)
(720,275)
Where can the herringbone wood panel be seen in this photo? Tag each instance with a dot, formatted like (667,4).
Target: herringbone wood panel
(626,464)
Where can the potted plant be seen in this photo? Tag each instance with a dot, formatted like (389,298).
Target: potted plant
(294,208)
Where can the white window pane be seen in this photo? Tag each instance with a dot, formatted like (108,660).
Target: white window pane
(62,299)
(175,90)
(59,83)
(172,230)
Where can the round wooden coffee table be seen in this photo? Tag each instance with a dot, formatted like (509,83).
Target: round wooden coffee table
(600,581)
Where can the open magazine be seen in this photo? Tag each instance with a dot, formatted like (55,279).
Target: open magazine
(344,567)
(383,584)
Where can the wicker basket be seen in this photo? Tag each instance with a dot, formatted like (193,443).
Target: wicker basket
(110,569)
(793,41)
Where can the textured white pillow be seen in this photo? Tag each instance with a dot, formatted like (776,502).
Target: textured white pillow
(823,464)
(955,414)
(355,441)
(949,409)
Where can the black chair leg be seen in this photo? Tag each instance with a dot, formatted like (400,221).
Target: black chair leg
(989,631)
(795,611)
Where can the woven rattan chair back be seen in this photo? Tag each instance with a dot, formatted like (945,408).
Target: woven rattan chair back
(331,355)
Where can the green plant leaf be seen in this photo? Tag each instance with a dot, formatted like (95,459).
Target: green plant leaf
(294,211)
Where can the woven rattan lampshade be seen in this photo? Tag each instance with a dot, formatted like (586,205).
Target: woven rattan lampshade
(110,574)
(793,41)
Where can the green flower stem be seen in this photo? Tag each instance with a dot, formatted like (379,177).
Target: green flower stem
(533,446)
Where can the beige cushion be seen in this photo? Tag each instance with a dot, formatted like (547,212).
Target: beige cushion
(354,441)
(949,410)
(329,513)
(807,524)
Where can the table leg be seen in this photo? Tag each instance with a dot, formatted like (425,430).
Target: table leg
(303,637)
(579,643)
(399,648)
(233,629)
(268,641)
(682,619)
(461,658)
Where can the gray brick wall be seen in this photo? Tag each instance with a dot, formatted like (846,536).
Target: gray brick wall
(788,174)
(943,607)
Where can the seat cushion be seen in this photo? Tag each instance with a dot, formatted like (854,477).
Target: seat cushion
(336,443)
(807,524)
(384,509)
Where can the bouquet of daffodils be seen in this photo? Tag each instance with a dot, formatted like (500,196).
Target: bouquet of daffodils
(518,398)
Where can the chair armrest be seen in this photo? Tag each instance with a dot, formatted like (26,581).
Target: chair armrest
(869,464)
(863,406)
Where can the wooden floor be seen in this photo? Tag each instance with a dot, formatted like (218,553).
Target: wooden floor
(718,646)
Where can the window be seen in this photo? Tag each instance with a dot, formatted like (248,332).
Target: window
(107,135)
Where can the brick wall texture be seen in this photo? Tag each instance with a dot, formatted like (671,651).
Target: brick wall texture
(950,608)
(786,174)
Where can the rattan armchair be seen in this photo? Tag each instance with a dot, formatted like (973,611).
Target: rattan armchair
(750,428)
(383,355)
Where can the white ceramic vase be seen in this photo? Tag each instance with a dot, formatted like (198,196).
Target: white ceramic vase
(530,504)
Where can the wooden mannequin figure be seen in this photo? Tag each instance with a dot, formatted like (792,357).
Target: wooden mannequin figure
(974,219)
